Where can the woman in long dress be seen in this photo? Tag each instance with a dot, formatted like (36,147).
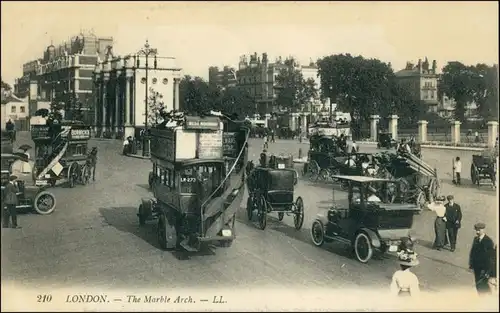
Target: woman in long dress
(439,223)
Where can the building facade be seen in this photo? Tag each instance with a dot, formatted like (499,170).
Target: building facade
(120,85)
(422,81)
(222,78)
(258,76)
(64,74)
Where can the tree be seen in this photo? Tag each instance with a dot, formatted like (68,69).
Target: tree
(358,85)
(460,83)
(294,90)
(55,111)
(485,94)
(194,95)
(234,100)
(6,86)
(155,105)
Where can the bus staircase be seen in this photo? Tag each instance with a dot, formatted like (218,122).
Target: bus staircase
(57,153)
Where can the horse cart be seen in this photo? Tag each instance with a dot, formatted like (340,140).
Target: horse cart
(61,152)
(325,154)
(416,181)
(483,170)
(29,197)
(367,226)
(271,190)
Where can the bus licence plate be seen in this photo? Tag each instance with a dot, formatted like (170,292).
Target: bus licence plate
(226,232)
(393,248)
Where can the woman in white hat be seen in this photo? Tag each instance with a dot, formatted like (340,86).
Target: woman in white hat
(405,282)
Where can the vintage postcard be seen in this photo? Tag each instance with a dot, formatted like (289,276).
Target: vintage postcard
(249,156)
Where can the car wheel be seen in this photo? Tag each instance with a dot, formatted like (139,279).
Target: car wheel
(363,247)
(298,219)
(44,203)
(318,233)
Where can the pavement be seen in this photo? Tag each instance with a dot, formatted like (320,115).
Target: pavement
(93,237)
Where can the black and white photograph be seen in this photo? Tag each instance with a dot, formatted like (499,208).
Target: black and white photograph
(249,156)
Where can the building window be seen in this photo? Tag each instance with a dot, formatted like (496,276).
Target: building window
(85,84)
(143,80)
(22,109)
(165,81)
(432,95)
(13,109)
(155,80)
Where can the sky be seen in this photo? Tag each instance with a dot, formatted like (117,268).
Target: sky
(203,34)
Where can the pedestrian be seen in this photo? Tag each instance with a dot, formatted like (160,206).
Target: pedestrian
(404,281)
(272,136)
(10,201)
(93,161)
(266,145)
(439,223)
(457,170)
(126,145)
(481,258)
(453,220)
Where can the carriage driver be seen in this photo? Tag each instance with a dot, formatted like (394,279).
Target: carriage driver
(372,196)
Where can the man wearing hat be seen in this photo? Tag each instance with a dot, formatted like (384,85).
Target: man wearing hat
(453,220)
(10,201)
(482,255)
(404,282)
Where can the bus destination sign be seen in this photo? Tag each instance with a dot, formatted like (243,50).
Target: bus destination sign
(206,123)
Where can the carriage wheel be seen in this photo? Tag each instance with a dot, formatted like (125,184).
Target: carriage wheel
(318,233)
(404,186)
(74,173)
(314,169)
(323,175)
(421,200)
(281,215)
(298,219)
(85,177)
(249,208)
(44,203)
(262,213)
(433,189)
(473,174)
(363,247)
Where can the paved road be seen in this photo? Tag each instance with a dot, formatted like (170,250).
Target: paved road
(94,238)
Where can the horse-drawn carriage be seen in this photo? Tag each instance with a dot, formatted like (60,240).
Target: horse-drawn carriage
(61,152)
(30,197)
(271,190)
(324,153)
(385,140)
(483,169)
(416,181)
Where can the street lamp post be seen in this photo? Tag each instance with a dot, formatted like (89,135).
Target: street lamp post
(146,51)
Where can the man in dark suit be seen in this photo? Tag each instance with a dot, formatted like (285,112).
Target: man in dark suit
(10,202)
(481,259)
(453,220)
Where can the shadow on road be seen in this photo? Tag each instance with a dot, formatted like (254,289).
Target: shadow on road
(144,186)
(302,235)
(124,219)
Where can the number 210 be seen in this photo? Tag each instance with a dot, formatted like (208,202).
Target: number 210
(44,298)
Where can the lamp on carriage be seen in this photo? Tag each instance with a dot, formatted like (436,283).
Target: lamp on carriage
(146,51)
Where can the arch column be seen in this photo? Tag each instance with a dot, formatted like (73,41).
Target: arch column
(177,83)
(116,119)
(104,126)
(129,129)
(374,127)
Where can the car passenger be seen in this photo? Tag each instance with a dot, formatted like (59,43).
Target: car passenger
(351,162)
(373,198)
